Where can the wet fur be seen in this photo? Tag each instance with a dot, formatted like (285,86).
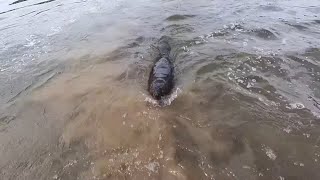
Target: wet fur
(162,73)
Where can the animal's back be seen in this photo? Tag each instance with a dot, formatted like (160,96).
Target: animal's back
(162,69)
(162,75)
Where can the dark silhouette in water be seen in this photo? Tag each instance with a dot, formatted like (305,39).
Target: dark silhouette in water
(161,76)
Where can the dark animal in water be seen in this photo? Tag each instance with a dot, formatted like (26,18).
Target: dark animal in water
(162,73)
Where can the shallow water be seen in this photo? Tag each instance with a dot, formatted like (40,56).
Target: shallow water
(74,105)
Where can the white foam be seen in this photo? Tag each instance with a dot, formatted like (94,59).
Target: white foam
(240,81)
(315,114)
(296,106)
(287,129)
(298,164)
(31,41)
(249,85)
(151,100)
(306,135)
(54,30)
(185,49)
(154,166)
(165,101)
(270,153)
(168,100)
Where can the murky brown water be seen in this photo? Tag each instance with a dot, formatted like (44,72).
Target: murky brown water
(74,104)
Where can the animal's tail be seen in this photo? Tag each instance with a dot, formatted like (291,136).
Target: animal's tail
(164,46)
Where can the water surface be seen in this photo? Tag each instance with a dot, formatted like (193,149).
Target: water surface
(74,105)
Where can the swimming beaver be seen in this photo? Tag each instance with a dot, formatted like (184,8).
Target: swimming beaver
(161,76)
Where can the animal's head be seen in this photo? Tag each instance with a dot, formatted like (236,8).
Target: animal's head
(157,89)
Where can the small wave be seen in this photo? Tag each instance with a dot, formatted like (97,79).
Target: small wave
(16,2)
(297,26)
(178,17)
(271,8)
(264,34)
(175,29)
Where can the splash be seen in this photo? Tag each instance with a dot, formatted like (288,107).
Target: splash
(165,101)
(169,99)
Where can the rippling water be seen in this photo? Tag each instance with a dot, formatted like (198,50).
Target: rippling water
(74,105)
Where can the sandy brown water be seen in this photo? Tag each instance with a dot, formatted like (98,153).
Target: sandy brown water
(74,100)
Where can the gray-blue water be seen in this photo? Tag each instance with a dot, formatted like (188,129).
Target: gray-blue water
(74,101)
